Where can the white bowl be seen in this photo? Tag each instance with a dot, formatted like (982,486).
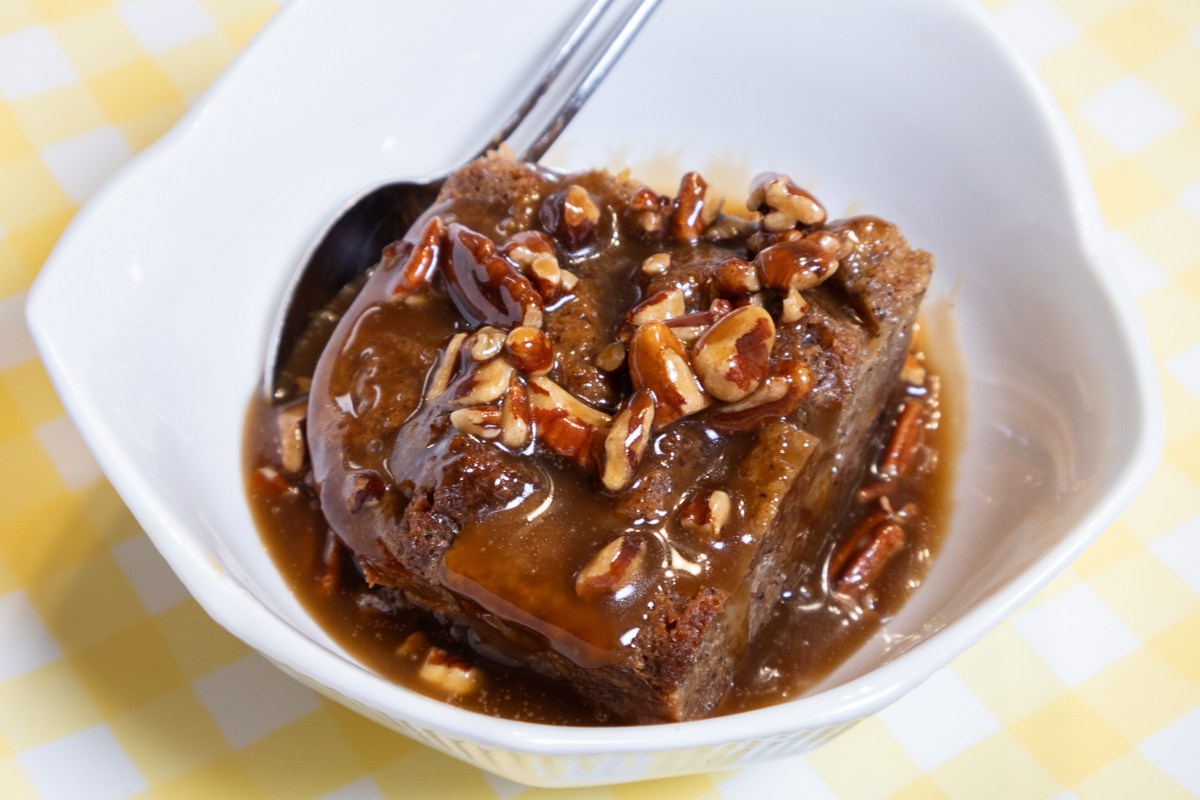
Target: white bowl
(152,313)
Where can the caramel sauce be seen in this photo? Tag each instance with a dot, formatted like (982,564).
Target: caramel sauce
(513,569)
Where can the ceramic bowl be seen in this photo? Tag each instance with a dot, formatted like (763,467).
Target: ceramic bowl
(153,312)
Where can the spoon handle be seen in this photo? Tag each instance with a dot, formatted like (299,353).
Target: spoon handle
(597,70)
(566,49)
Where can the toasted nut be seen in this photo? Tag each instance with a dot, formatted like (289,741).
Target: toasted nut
(612,357)
(547,277)
(794,265)
(331,567)
(571,216)
(760,240)
(292,449)
(363,488)
(906,438)
(719,308)
(526,247)
(858,538)
(485,383)
(786,386)
(268,482)
(649,211)
(794,306)
(736,278)
(695,208)
(626,440)
(568,280)
(868,562)
(876,491)
(828,241)
(419,261)
(657,361)
(658,307)
(484,344)
(757,299)
(413,647)
(613,568)
(706,513)
(516,418)
(445,368)
(657,264)
(688,334)
(449,673)
(485,286)
(564,424)
(529,350)
(783,203)
(732,357)
(480,421)
(912,373)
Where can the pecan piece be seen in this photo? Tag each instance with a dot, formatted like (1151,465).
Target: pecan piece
(656,264)
(658,307)
(485,383)
(571,216)
(786,386)
(445,368)
(732,357)
(783,203)
(449,673)
(533,252)
(658,361)
(362,489)
(868,558)
(485,286)
(736,278)
(706,513)
(626,440)
(481,421)
(794,265)
(612,569)
(268,482)
(906,438)
(695,208)
(292,449)
(565,425)
(516,418)
(529,350)
(649,211)
(421,260)
(484,344)
(912,373)
(794,306)
(612,357)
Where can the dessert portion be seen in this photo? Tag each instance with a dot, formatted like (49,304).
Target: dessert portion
(598,432)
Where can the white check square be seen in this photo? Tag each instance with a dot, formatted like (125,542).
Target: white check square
(1130,115)
(1076,634)
(939,720)
(31,62)
(89,765)
(82,163)
(162,24)
(1037,27)
(26,642)
(250,699)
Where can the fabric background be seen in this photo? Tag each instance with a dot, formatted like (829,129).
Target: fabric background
(114,683)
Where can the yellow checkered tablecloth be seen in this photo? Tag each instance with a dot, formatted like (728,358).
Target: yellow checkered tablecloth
(114,683)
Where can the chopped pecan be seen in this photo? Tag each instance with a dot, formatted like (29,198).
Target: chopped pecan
(626,440)
(449,673)
(794,306)
(571,216)
(480,421)
(912,373)
(658,361)
(867,562)
(533,252)
(268,482)
(564,424)
(516,418)
(786,386)
(658,307)
(736,278)
(656,264)
(613,568)
(794,265)
(783,203)
(732,357)
(292,449)
(906,438)
(420,260)
(529,350)
(484,344)
(364,488)
(485,383)
(612,357)
(649,211)
(760,240)
(485,286)
(695,208)
(447,364)
(706,513)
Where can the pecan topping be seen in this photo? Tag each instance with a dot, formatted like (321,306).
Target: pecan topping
(906,438)
(484,344)
(695,208)
(867,558)
(421,260)
(658,362)
(565,425)
(626,440)
(571,216)
(480,421)
(449,673)
(268,482)
(736,278)
(656,264)
(292,450)
(794,306)
(787,384)
(783,203)
(612,357)
(485,286)
(912,373)
(732,357)
(649,211)
(794,265)
(445,368)
(485,383)
(611,569)
(533,252)
(706,513)
(529,350)
(366,488)
(658,307)
(516,418)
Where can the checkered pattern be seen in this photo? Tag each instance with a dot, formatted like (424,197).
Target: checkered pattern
(114,684)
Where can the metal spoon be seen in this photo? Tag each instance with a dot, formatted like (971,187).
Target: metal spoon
(353,241)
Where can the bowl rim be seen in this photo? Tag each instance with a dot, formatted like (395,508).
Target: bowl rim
(254,623)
